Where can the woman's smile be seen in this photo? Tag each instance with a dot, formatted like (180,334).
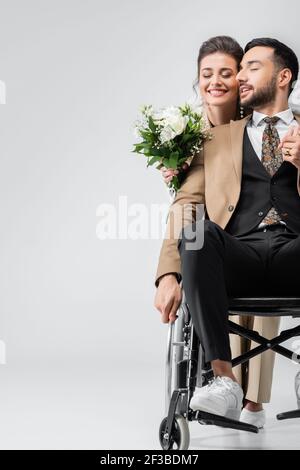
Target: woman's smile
(216,92)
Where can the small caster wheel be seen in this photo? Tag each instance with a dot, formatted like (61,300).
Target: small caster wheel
(180,434)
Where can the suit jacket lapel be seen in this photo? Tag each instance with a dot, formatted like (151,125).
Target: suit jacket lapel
(237,133)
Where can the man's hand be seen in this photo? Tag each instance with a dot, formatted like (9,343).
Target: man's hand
(168,298)
(290,146)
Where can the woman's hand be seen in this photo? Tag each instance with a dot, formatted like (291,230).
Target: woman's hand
(168,173)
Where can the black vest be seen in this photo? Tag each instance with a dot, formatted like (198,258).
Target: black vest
(260,191)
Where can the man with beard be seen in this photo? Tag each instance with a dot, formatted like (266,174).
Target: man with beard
(248,178)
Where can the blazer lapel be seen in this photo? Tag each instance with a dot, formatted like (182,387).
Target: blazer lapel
(237,129)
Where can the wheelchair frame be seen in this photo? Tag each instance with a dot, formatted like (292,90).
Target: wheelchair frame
(185,365)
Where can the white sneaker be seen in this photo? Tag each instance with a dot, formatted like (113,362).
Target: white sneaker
(222,396)
(257,418)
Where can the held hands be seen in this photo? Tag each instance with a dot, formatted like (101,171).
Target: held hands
(290,146)
(168,298)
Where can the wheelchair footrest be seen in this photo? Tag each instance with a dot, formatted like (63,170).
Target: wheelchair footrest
(208,418)
(289,414)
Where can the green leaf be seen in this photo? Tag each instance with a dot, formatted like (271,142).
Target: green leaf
(186,137)
(174,183)
(138,147)
(155,152)
(173,160)
(152,125)
(146,135)
(153,160)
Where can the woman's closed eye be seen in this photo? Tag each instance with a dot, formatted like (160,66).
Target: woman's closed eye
(223,75)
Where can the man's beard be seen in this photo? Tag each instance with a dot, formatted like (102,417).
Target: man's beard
(262,96)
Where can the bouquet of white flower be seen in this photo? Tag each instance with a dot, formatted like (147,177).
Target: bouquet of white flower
(170,136)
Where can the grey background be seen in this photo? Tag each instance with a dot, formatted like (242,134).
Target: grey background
(85,346)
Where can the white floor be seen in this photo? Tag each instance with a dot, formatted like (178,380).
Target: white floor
(83,406)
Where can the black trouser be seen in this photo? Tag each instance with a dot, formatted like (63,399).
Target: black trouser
(260,263)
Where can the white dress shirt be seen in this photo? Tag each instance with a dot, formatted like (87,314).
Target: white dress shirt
(255,129)
(256,126)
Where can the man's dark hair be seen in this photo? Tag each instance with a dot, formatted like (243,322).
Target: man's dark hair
(284,56)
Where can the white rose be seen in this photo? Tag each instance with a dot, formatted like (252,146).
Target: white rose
(177,122)
(172,122)
(166,114)
(166,134)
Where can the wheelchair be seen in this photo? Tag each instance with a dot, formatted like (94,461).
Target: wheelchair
(186,367)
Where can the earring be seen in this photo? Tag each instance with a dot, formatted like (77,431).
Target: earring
(241,112)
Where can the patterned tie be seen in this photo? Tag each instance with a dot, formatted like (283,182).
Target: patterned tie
(271,158)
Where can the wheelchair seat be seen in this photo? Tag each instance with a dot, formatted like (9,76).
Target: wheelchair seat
(265,306)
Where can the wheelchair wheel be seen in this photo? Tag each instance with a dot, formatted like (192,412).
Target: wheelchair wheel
(180,435)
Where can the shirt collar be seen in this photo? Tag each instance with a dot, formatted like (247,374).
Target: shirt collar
(286,116)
